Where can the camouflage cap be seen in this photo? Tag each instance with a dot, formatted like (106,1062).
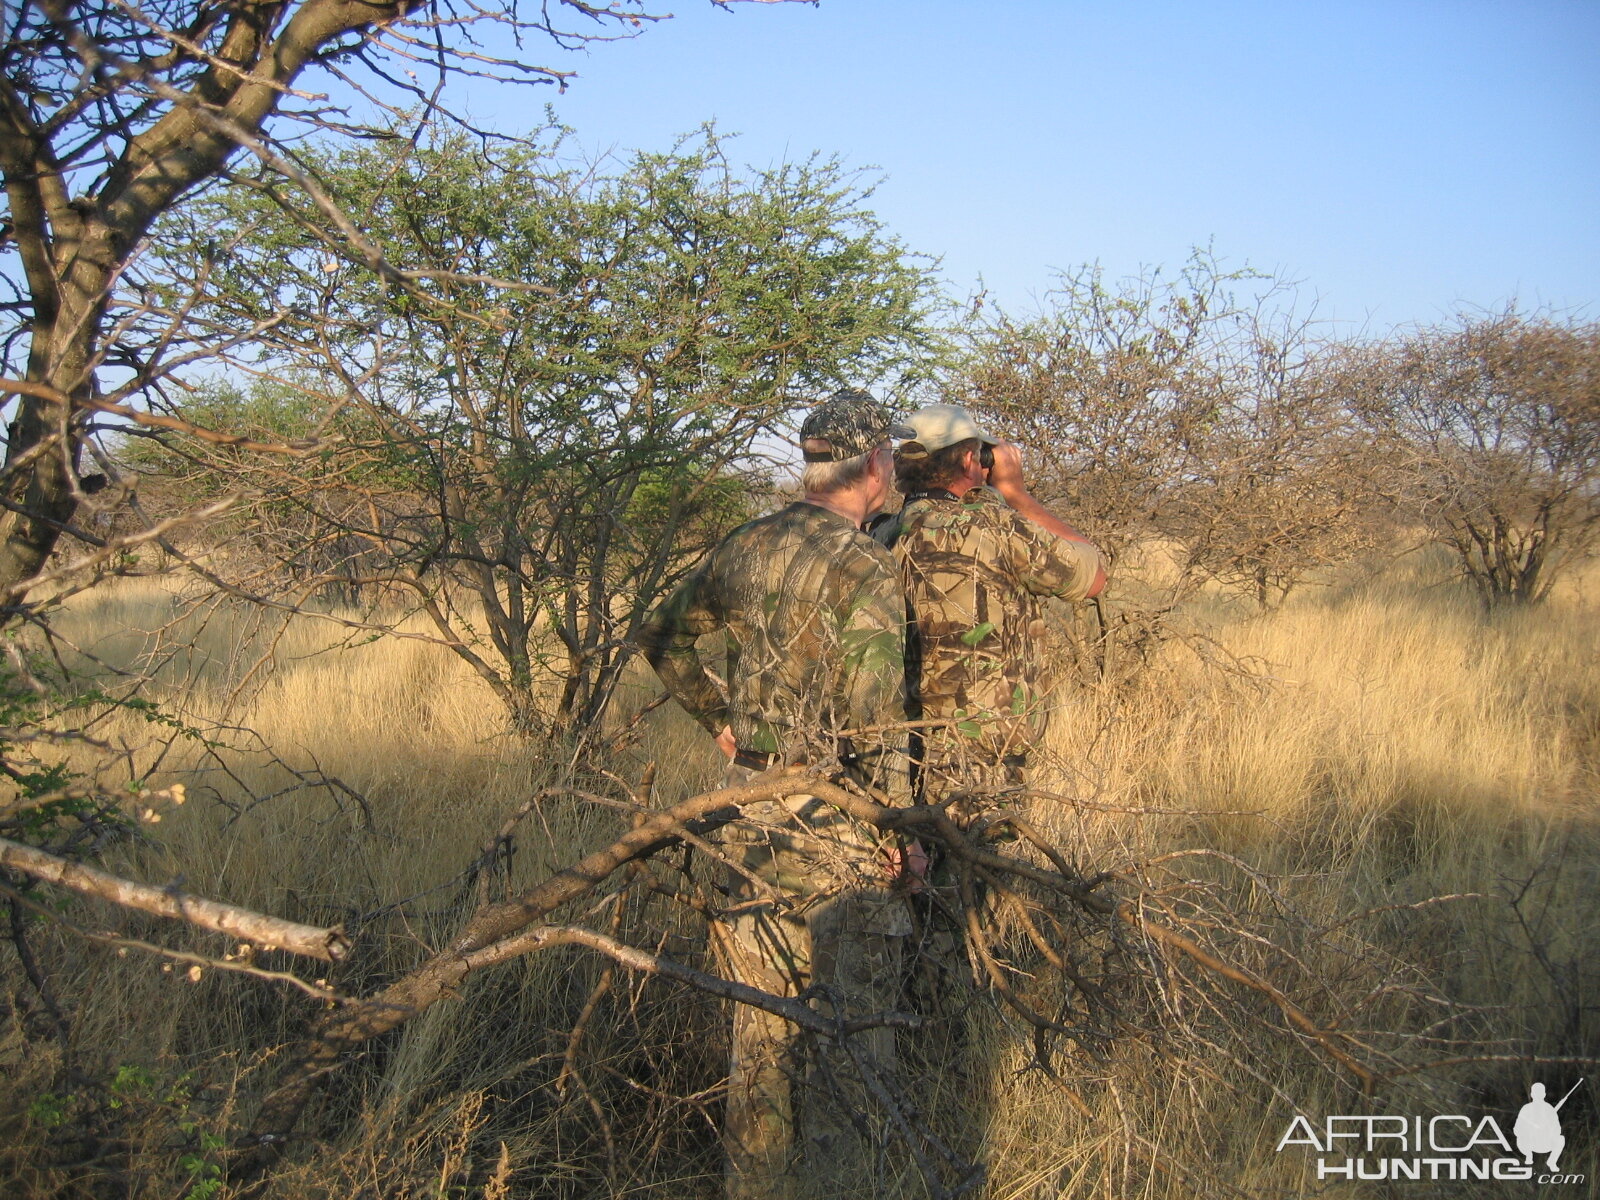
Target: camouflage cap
(940,425)
(848,423)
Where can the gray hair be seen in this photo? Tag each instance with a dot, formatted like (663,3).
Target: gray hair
(824,478)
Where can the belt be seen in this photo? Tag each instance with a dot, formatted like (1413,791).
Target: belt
(753,760)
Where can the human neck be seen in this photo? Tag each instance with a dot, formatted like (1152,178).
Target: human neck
(962,484)
(851,504)
(972,476)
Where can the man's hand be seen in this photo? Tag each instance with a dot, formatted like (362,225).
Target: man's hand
(1005,476)
(725,741)
(907,866)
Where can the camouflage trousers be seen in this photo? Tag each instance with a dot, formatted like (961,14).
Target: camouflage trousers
(818,920)
(974,788)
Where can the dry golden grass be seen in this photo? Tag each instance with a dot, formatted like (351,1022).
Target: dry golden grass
(1390,745)
(1373,744)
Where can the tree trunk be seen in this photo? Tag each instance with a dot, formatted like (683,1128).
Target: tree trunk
(43,444)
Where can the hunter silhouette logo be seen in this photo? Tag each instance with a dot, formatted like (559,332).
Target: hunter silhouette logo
(1446,1146)
(1538,1127)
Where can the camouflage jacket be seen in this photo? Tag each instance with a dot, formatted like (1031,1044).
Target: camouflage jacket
(975,576)
(815,624)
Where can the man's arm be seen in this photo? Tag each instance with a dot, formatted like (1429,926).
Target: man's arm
(1006,478)
(668,640)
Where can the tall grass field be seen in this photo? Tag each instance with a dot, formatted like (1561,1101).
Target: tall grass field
(1388,795)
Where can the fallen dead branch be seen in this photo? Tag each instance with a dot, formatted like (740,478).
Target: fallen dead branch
(499,932)
(358,1021)
(330,945)
(239,962)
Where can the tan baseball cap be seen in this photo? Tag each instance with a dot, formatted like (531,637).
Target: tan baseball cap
(940,425)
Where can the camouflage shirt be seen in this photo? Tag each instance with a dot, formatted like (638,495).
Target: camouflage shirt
(975,575)
(815,624)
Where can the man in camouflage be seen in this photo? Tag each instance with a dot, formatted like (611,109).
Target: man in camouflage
(978,554)
(814,620)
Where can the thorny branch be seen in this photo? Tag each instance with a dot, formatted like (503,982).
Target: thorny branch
(498,932)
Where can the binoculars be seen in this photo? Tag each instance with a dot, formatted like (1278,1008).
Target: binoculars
(986,456)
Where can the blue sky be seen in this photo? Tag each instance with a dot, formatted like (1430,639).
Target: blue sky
(1401,160)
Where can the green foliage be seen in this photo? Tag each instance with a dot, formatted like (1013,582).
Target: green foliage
(138,1096)
(50,1110)
(557,395)
(44,798)
(147,710)
(35,806)
(130,1082)
(203,1165)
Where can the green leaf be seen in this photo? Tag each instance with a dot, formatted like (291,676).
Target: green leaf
(975,635)
(49,1110)
(600,429)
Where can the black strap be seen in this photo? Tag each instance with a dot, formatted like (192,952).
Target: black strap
(931,494)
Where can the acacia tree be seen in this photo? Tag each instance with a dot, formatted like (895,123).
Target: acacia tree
(535,464)
(1106,387)
(1496,420)
(112,115)
(1277,482)
(1195,410)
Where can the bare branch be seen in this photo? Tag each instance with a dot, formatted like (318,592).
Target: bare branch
(330,945)
(790,1009)
(27,387)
